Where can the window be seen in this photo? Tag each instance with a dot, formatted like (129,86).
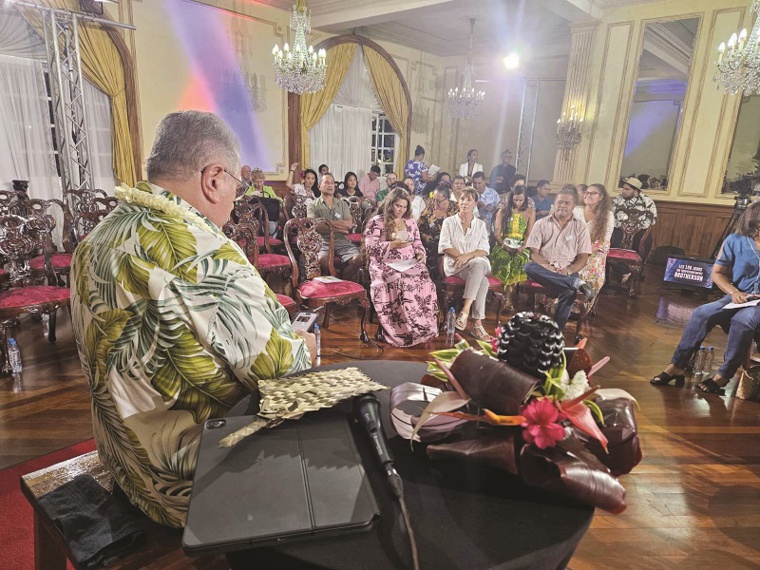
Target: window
(383,143)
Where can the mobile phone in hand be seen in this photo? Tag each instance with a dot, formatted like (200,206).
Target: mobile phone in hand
(305,320)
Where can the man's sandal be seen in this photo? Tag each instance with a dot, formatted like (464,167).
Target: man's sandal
(663,379)
(710,386)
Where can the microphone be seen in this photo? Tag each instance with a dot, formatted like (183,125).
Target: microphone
(367,411)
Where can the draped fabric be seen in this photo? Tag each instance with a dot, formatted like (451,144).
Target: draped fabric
(99,137)
(343,136)
(26,147)
(102,65)
(392,97)
(315,105)
(16,38)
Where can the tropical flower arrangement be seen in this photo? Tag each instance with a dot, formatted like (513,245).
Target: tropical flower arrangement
(549,424)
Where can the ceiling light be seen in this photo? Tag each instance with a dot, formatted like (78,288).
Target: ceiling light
(512,61)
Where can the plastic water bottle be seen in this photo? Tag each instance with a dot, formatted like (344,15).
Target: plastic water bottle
(451,329)
(45,324)
(14,356)
(707,364)
(318,339)
(699,363)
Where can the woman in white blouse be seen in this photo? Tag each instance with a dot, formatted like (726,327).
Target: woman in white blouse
(467,169)
(464,242)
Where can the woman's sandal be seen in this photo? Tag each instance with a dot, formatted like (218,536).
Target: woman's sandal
(663,379)
(710,386)
(461,323)
(480,333)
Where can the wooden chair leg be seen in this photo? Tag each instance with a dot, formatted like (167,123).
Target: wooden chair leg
(326,320)
(51,324)
(47,553)
(501,303)
(364,337)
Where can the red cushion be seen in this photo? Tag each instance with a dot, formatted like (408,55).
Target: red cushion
(272,241)
(530,284)
(27,296)
(58,260)
(270,260)
(624,255)
(285,301)
(354,238)
(317,289)
(459,282)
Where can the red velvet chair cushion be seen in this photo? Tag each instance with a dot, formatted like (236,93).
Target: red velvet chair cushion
(58,260)
(354,238)
(28,296)
(459,282)
(530,285)
(624,255)
(274,242)
(273,260)
(317,289)
(285,301)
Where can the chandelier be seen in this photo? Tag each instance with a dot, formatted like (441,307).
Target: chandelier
(301,69)
(569,132)
(466,103)
(739,61)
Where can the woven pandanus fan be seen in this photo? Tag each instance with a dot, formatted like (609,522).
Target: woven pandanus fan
(531,343)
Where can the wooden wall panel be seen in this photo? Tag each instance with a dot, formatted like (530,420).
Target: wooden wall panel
(695,228)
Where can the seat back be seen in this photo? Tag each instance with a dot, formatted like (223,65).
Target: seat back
(309,243)
(251,210)
(298,206)
(59,215)
(21,239)
(244,233)
(83,200)
(357,215)
(108,203)
(84,222)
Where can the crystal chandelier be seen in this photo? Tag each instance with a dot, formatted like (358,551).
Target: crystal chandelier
(300,70)
(739,61)
(569,132)
(466,103)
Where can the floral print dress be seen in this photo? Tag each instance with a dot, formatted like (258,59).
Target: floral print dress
(430,225)
(405,301)
(507,267)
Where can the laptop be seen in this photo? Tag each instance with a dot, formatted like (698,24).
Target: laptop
(301,479)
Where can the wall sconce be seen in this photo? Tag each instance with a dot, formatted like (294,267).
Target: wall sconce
(569,133)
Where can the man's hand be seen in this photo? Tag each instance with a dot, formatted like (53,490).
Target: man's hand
(739,297)
(311,343)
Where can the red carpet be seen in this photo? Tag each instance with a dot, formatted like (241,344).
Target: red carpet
(16,523)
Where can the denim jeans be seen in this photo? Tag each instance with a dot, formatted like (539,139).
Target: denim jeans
(563,287)
(741,325)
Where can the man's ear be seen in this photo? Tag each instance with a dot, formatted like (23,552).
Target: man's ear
(211,180)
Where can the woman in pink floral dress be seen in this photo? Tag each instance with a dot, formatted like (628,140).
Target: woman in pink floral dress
(404,297)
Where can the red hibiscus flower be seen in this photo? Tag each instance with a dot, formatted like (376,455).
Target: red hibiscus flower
(542,423)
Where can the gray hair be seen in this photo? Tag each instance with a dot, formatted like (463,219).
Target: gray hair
(187,141)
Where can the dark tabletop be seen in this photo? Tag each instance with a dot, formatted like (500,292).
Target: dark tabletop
(464,515)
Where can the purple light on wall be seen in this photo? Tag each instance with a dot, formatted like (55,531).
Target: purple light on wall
(213,59)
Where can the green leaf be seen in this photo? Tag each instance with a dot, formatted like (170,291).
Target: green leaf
(133,273)
(102,332)
(80,268)
(172,245)
(596,409)
(276,358)
(231,253)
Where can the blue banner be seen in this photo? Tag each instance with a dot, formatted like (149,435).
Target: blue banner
(694,272)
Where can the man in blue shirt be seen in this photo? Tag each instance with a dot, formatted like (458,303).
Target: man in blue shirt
(488,199)
(501,175)
(543,199)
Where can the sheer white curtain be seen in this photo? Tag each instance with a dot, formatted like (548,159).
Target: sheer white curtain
(343,136)
(99,137)
(26,146)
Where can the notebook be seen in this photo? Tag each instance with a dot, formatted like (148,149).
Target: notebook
(301,479)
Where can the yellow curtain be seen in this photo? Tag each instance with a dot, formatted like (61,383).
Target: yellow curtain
(315,105)
(103,67)
(393,100)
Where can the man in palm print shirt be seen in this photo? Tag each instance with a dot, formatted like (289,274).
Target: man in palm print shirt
(632,206)
(173,324)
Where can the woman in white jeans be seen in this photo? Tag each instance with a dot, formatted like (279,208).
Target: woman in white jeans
(464,242)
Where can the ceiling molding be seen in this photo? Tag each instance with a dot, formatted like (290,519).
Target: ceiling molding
(665,45)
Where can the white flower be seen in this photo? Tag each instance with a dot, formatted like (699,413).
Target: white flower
(576,387)
(160,203)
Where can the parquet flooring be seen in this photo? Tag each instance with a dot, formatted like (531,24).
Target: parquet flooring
(694,502)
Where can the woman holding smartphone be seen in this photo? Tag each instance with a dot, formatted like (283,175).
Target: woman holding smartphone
(402,293)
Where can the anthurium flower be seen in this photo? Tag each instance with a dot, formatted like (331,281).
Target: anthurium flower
(495,340)
(542,425)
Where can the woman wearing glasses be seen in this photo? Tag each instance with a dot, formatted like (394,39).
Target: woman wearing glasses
(596,212)
(431,220)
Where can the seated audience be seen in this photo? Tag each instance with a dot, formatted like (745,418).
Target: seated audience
(307,186)
(469,168)
(406,300)
(559,248)
(350,187)
(390,180)
(514,222)
(323,169)
(417,170)
(457,185)
(464,243)
(632,206)
(369,184)
(245,175)
(170,337)
(337,215)
(502,174)
(736,274)
(597,214)
(431,221)
(543,201)
(439,179)
(272,202)
(580,189)
(488,199)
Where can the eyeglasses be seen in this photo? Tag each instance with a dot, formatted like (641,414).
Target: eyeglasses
(235,178)
(590,193)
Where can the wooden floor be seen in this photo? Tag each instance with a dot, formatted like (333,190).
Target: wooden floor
(694,502)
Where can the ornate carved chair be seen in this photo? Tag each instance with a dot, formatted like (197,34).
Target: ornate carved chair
(61,261)
(244,234)
(84,223)
(540,302)
(313,292)
(108,203)
(357,215)
(625,261)
(20,241)
(83,200)
(251,209)
(9,205)
(297,206)
(453,287)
